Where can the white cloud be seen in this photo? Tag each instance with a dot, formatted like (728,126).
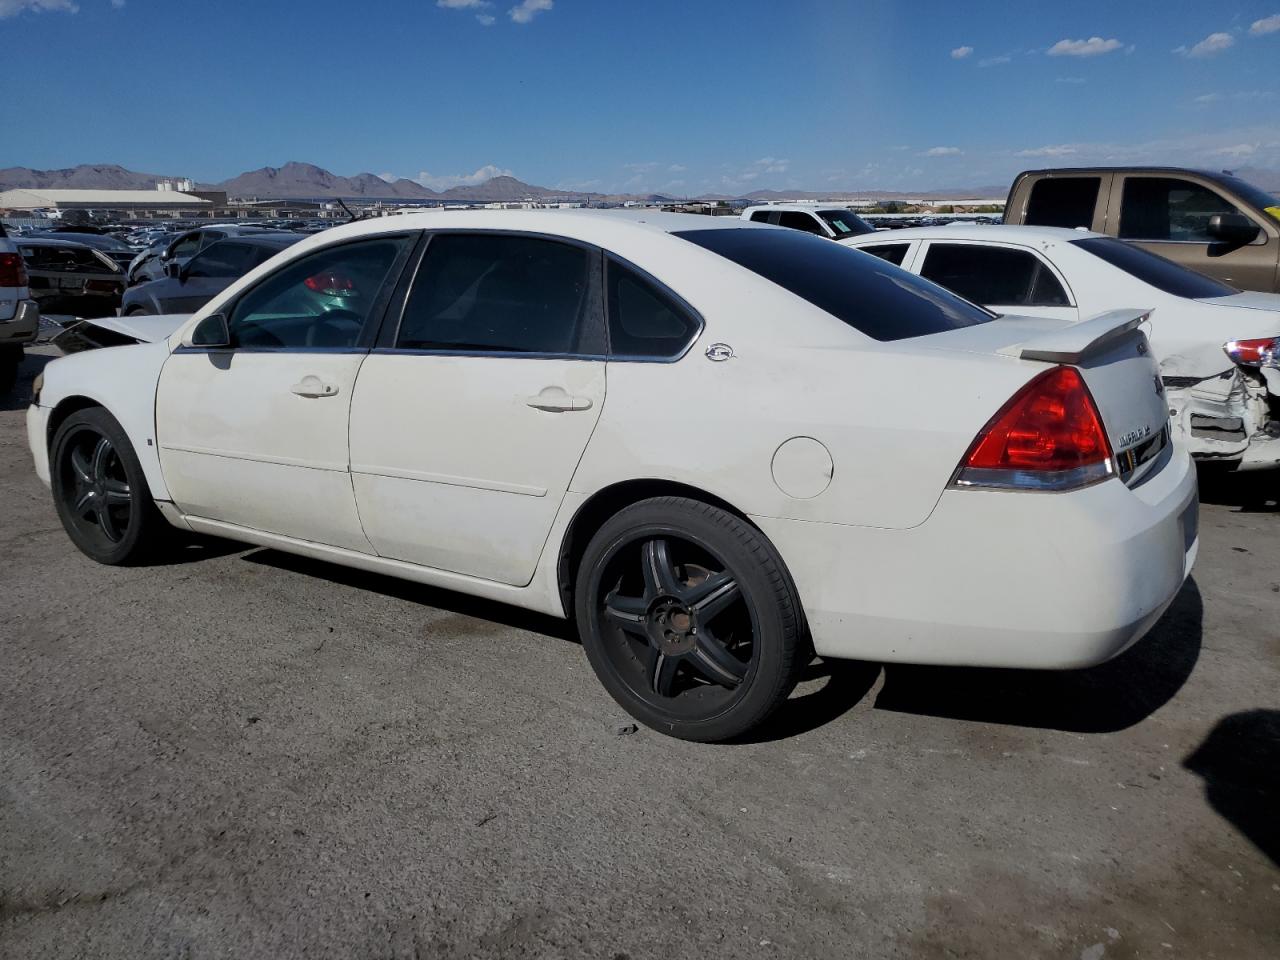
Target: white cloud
(117,4)
(486,19)
(1266,25)
(1059,150)
(1071,80)
(463,4)
(445,181)
(1237,151)
(995,61)
(772,165)
(959,53)
(677,168)
(11,8)
(1213,43)
(1093,47)
(942,152)
(525,11)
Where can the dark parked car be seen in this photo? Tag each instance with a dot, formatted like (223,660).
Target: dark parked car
(113,247)
(189,287)
(187,245)
(68,277)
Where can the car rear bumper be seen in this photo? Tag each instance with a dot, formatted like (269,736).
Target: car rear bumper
(37,440)
(23,326)
(1000,579)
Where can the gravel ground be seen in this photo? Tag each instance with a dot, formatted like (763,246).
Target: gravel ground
(243,754)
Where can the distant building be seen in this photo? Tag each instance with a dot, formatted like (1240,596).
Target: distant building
(132,203)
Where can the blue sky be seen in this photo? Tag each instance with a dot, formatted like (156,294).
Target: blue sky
(682,96)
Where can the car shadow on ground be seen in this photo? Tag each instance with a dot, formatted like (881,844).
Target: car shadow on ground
(19,398)
(1240,764)
(846,683)
(460,603)
(1102,699)
(1253,492)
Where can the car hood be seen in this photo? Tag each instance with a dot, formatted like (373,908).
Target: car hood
(144,328)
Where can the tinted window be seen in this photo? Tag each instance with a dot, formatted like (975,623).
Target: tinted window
(57,259)
(221,260)
(1165,208)
(186,246)
(845,224)
(993,275)
(799,221)
(1156,270)
(321,300)
(880,300)
(1063,201)
(895,253)
(644,322)
(502,294)
(760,216)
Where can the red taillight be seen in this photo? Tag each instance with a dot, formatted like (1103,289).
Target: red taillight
(331,284)
(1254,353)
(13,270)
(102,286)
(1048,437)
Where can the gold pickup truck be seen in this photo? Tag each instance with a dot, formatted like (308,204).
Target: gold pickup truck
(1215,223)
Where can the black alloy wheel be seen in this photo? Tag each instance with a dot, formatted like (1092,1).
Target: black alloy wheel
(689,618)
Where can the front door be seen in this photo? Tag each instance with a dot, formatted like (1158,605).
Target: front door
(256,434)
(468,423)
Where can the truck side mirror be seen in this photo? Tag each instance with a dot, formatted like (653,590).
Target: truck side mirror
(1233,228)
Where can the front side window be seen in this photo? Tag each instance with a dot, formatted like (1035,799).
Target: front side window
(1063,202)
(894,253)
(185,247)
(221,260)
(502,293)
(993,275)
(880,300)
(321,300)
(1167,208)
(800,221)
(644,322)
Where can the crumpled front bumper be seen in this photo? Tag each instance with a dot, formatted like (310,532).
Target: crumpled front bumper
(1231,418)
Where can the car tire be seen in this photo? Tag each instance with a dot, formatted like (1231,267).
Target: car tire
(10,361)
(100,491)
(136,311)
(690,619)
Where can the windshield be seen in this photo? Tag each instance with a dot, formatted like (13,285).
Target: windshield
(845,224)
(1254,195)
(1153,269)
(872,296)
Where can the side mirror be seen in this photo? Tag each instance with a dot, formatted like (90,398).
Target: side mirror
(1233,228)
(212,331)
(173,269)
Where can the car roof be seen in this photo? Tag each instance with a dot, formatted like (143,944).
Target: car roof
(49,242)
(281,239)
(995,232)
(807,206)
(1075,171)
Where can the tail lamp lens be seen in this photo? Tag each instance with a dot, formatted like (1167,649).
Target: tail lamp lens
(1254,353)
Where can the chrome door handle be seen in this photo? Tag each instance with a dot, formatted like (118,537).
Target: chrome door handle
(557,400)
(312,386)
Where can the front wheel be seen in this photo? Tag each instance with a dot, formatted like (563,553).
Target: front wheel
(689,619)
(100,492)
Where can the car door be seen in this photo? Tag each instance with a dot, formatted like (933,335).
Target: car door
(253,431)
(1169,215)
(1002,277)
(206,274)
(469,419)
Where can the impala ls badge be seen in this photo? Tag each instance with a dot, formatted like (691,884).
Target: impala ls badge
(719,351)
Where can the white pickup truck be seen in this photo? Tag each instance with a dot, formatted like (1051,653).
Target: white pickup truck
(19,315)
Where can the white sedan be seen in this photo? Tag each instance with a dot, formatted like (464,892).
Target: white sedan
(1218,348)
(720,447)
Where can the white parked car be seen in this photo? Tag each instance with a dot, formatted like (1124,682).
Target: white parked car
(1218,348)
(821,219)
(719,447)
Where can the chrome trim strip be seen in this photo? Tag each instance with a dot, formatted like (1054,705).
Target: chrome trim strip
(255,457)
(184,348)
(499,486)
(495,354)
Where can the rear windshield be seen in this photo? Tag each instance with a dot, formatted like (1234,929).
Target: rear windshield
(872,296)
(68,259)
(1154,269)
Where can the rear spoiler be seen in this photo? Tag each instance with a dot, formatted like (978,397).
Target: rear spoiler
(1072,343)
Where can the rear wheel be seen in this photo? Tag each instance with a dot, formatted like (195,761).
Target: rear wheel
(689,619)
(100,492)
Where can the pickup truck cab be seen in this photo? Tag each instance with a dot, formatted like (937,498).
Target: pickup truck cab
(823,219)
(1214,223)
(19,316)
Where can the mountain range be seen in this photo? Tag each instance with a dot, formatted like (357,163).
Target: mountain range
(297,180)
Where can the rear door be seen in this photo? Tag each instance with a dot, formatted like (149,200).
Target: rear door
(1061,200)
(1169,215)
(1005,278)
(469,419)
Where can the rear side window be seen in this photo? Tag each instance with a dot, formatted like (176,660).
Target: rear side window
(876,298)
(894,253)
(993,275)
(1063,201)
(1153,269)
(762,216)
(645,323)
(499,293)
(1167,208)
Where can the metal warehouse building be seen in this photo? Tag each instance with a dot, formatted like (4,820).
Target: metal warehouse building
(133,203)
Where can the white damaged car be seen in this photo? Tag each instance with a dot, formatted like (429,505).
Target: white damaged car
(718,447)
(1218,347)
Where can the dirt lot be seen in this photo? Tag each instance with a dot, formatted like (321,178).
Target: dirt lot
(243,754)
